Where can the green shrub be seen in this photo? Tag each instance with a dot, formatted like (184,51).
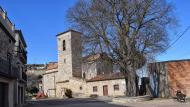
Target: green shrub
(68,93)
(32,90)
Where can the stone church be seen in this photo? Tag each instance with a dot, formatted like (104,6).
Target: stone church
(85,76)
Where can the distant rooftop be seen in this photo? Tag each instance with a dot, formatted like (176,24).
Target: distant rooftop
(52,65)
(35,66)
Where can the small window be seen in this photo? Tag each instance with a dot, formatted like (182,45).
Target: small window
(64,60)
(64,47)
(95,89)
(84,75)
(10,41)
(80,87)
(116,87)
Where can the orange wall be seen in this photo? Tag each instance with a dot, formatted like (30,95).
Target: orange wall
(179,77)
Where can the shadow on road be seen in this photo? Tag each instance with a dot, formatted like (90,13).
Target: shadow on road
(70,103)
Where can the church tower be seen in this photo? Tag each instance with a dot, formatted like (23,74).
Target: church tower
(69,55)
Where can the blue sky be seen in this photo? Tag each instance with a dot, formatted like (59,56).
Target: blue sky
(41,20)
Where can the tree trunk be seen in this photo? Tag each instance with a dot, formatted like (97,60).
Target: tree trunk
(131,86)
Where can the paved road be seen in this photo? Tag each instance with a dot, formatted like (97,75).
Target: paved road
(70,103)
(95,103)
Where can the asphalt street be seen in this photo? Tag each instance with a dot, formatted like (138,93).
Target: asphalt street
(70,103)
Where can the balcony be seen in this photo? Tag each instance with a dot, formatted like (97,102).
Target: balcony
(24,76)
(7,70)
(23,56)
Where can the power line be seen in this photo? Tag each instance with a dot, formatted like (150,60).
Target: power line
(176,40)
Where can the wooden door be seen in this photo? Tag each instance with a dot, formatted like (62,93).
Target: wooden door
(105,90)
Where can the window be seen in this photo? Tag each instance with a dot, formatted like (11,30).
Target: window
(84,75)
(116,87)
(10,41)
(64,47)
(64,60)
(9,59)
(80,87)
(95,89)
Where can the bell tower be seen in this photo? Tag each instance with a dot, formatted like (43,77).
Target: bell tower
(69,55)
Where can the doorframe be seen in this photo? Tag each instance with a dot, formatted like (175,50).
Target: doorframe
(105,90)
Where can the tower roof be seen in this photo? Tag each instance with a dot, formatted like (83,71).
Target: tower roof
(70,30)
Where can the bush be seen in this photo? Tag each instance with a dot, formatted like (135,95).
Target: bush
(68,93)
(32,90)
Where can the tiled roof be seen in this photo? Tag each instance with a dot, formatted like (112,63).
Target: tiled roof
(113,76)
(52,65)
(94,57)
(70,30)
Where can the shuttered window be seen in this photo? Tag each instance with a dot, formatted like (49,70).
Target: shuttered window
(116,87)
(95,89)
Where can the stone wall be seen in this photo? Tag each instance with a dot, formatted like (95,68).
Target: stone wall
(98,67)
(110,84)
(64,57)
(76,54)
(89,70)
(49,82)
(104,67)
(69,60)
(78,87)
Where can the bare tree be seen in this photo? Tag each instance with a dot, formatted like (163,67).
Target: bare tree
(128,31)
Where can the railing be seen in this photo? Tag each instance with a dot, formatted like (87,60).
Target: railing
(23,56)
(4,67)
(15,73)
(8,70)
(24,76)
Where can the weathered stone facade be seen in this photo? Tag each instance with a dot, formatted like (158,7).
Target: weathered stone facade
(49,82)
(110,84)
(94,65)
(74,71)
(69,59)
(12,60)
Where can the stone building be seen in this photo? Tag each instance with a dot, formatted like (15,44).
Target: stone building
(168,77)
(12,63)
(80,74)
(94,65)
(49,84)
